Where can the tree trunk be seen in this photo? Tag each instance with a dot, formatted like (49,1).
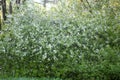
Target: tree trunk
(45,1)
(10,7)
(4,9)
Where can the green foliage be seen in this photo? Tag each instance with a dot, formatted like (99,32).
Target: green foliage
(61,43)
(29,79)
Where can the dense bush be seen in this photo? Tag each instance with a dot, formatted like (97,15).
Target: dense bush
(61,43)
(23,78)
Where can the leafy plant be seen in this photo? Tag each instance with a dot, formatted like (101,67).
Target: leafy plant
(61,43)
